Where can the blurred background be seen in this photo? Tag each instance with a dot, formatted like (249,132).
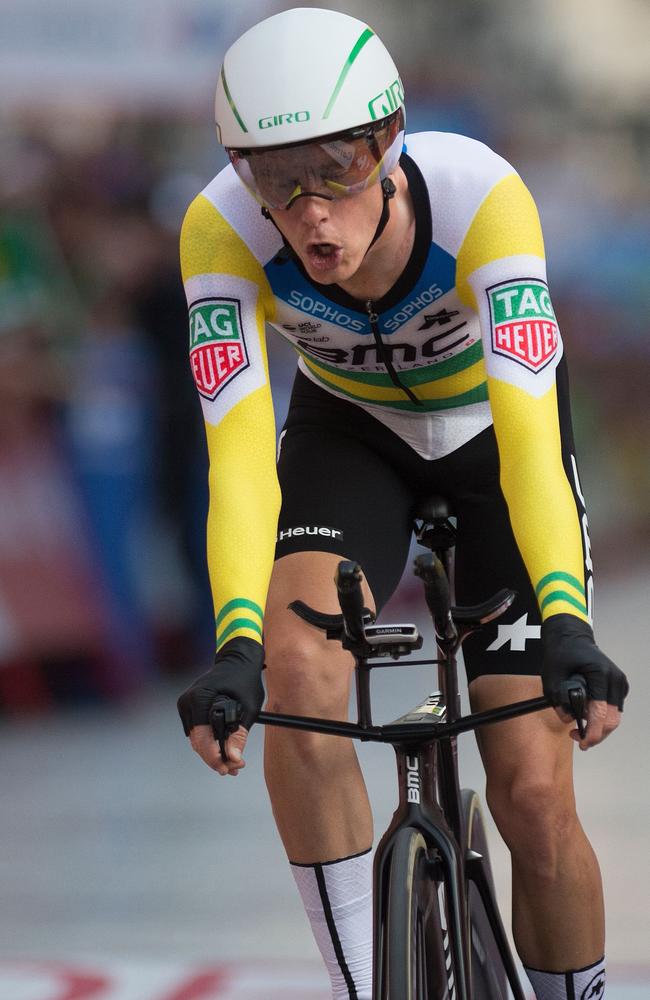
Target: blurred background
(106,130)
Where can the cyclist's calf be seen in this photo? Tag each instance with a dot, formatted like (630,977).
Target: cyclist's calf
(528,763)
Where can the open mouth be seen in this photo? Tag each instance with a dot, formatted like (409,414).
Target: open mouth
(324,256)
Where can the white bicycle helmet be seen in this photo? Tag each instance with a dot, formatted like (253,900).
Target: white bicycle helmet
(300,77)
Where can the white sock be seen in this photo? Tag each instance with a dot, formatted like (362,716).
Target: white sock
(578,984)
(337,896)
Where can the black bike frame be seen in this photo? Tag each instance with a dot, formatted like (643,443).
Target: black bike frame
(427,764)
(427,768)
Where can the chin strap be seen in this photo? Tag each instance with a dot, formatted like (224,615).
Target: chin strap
(388,190)
(287,252)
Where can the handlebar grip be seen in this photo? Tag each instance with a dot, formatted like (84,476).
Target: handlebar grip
(436,587)
(348,586)
(574,698)
(225,716)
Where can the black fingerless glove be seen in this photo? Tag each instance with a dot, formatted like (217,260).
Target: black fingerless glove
(236,674)
(568,648)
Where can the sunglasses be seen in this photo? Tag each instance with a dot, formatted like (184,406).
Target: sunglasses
(334,166)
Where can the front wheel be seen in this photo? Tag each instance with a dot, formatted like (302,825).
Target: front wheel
(488,977)
(414,959)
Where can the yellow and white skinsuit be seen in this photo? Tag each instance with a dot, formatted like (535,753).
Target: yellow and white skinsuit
(470,331)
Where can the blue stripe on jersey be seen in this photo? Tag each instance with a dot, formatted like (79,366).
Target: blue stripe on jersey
(289,285)
(437,278)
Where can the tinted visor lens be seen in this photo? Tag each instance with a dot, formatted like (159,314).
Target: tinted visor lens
(334,167)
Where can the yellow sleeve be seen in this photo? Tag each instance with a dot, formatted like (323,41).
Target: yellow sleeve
(502,257)
(229,300)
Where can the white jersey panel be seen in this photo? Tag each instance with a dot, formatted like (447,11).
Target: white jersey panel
(459,173)
(431,435)
(238,207)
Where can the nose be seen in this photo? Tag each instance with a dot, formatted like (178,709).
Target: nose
(311,209)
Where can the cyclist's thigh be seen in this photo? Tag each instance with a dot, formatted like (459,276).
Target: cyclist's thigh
(342,496)
(488,559)
(305,672)
(503,661)
(340,500)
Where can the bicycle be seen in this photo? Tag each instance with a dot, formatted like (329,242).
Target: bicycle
(438,934)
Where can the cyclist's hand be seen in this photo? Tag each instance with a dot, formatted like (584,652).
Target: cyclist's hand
(237,674)
(203,742)
(569,648)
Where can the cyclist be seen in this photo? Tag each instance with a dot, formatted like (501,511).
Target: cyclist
(410,277)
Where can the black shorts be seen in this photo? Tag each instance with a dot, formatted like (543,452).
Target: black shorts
(350,485)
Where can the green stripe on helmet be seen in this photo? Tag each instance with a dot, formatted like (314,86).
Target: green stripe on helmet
(231,102)
(359,44)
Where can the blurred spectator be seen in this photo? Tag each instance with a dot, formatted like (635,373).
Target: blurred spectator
(52,622)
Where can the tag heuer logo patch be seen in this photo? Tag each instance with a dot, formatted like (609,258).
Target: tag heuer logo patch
(217,347)
(523,323)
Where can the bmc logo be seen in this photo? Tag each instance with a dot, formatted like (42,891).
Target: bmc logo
(523,323)
(292,118)
(412,779)
(217,346)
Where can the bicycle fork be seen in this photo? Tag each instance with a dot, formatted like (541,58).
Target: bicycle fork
(416,809)
(475,869)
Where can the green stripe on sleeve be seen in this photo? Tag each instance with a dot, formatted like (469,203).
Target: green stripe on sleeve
(238,602)
(236,624)
(553,577)
(563,595)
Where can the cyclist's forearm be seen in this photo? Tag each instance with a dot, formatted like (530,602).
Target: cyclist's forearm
(229,301)
(541,503)
(242,519)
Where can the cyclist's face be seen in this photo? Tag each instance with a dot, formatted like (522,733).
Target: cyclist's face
(331,237)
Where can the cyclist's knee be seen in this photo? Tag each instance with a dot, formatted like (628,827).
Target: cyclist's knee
(535,814)
(306,676)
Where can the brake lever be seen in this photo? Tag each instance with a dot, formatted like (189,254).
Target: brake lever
(225,715)
(577,702)
(574,696)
